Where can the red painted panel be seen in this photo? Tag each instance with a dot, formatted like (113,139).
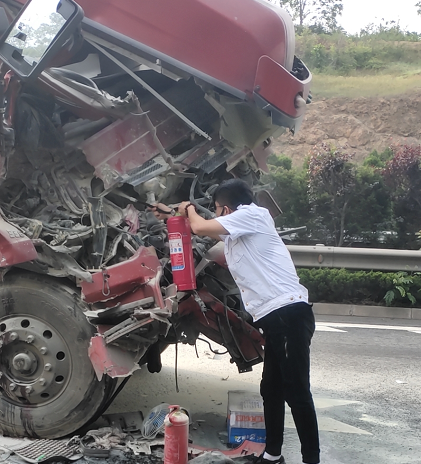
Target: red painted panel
(249,339)
(271,81)
(223,39)
(110,359)
(128,143)
(15,247)
(142,269)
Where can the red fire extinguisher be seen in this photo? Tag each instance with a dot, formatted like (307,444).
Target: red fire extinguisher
(176,436)
(181,253)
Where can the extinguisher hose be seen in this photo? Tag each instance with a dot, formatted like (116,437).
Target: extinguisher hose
(205,211)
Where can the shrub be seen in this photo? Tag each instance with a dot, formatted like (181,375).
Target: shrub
(290,192)
(360,287)
(319,57)
(378,160)
(280,161)
(402,174)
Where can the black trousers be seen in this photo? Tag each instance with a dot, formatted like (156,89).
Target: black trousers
(286,378)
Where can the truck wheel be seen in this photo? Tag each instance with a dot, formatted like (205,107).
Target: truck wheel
(47,384)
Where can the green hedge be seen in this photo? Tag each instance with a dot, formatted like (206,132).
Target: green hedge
(361,287)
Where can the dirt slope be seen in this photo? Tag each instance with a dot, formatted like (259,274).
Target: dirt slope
(359,125)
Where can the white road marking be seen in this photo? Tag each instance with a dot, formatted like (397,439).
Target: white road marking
(374,420)
(326,403)
(326,423)
(327,326)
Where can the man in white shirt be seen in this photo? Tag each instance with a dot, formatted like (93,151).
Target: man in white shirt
(265,274)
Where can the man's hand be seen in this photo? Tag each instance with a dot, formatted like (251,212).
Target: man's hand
(182,208)
(199,225)
(161,211)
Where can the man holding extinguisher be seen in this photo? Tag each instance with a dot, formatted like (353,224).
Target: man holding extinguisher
(265,274)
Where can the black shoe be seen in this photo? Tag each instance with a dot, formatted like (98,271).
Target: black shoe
(261,460)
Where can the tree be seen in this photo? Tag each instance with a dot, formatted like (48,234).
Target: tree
(369,213)
(322,13)
(290,192)
(331,185)
(402,175)
(418,5)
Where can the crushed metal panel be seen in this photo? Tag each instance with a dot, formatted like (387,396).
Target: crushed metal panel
(99,230)
(139,320)
(82,100)
(121,147)
(111,360)
(60,261)
(143,270)
(15,246)
(265,199)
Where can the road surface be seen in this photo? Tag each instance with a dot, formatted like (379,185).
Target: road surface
(366,378)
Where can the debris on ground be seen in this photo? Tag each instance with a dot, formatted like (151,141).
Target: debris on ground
(144,446)
(38,451)
(154,422)
(247,448)
(98,443)
(212,457)
(127,422)
(126,441)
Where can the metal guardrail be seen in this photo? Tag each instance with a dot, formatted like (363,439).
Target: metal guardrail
(320,256)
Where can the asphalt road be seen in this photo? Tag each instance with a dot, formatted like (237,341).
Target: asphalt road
(379,368)
(366,378)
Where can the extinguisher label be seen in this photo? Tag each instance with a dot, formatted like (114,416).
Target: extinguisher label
(176,251)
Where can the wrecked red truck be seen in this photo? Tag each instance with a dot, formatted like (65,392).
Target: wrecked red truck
(108,106)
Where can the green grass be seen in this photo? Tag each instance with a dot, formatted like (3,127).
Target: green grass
(374,85)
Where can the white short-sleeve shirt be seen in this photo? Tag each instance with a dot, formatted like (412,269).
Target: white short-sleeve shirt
(259,261)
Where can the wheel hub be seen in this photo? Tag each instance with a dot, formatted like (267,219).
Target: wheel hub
(35,360)
(25,363)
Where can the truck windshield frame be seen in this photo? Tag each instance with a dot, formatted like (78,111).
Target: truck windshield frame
(19,48)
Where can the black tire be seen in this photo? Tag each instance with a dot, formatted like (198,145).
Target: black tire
(48,386)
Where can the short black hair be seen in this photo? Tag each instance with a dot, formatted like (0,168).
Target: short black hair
(233,193)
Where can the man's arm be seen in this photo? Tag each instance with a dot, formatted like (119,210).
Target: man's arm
(200,226)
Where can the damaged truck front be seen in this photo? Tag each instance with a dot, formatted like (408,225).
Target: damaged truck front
(108,106)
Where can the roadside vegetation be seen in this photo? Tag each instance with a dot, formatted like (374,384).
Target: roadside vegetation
(375,204)
(377,85)
(362,287)
(381,60)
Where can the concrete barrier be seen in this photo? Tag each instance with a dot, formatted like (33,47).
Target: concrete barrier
(332,309)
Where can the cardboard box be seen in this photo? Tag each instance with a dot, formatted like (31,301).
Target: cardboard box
(246,420)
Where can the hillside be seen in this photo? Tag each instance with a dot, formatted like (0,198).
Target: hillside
(360,125)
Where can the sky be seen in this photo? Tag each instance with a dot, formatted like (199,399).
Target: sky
(359,13)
